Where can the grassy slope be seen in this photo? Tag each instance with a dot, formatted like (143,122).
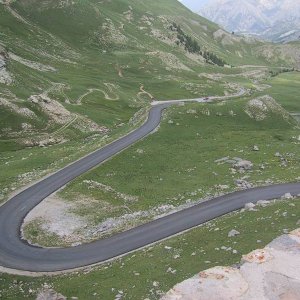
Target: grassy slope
(135,274)
(53,36)
(76,41)
(285,88)
(168,172)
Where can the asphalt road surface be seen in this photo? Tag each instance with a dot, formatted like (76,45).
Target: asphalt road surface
(18,255)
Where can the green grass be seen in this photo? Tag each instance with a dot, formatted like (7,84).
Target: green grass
(195,144)
(285,89)
(177,163)
(91,68)
(25,165)
(135,273)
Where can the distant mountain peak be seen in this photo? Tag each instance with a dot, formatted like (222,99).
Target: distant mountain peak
(277,20)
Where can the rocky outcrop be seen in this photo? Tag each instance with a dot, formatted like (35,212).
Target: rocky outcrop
(49,294)
(3,57)
(269,273)
(5,76)
(262,107)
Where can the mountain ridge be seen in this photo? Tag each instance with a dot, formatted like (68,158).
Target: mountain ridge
(274,20)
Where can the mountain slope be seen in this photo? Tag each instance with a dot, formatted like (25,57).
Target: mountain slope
(85,60)
(70,69)
(271,19)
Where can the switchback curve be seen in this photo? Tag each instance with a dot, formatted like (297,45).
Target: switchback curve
(17,255)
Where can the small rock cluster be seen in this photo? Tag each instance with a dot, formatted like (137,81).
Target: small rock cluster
(238,164)
(49,294)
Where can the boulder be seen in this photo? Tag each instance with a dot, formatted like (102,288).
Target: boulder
(287,196)
(49,294)
(263,203)
(233,233)
(243,184)
(243,164)
(250,206)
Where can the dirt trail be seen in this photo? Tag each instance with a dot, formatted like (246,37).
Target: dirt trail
(111,89)
(143,92)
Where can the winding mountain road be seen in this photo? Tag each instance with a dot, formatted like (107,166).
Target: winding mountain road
(16,254)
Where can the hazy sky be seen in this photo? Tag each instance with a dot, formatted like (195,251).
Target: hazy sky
(193,4)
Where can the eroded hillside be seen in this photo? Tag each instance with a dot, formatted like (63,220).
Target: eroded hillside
(63,60)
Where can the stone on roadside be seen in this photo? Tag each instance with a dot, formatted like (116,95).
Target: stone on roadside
(243,184)
(287,196)
(263,203)
(250,206)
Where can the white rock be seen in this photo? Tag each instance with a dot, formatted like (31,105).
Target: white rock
(255,148)
(287,196)
(263,203)
(233,233)
(49,294)
(249,206)
(223,187)
(243,164)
